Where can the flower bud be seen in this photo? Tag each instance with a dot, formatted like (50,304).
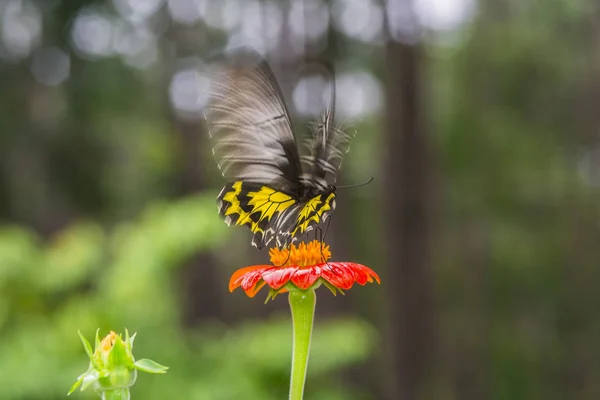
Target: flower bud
(112,366)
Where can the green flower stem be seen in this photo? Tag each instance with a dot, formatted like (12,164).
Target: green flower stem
(302,304)
(117,394)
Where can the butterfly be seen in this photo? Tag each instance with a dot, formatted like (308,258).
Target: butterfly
(274,188)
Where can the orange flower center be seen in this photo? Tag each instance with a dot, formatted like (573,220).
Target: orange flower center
(305,255)
(107,343)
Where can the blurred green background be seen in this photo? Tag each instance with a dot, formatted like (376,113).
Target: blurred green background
(478,119)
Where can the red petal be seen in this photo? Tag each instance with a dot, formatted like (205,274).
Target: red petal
(370,273)
(360,276)
(240,275)
(251,279)
(338,274)
(344,274)
(306,277)
(277,277)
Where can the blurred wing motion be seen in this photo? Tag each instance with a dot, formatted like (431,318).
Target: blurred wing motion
(326,147)
(250,126)
(271,189)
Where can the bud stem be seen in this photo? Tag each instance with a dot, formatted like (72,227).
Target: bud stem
(302,305)
(117,394)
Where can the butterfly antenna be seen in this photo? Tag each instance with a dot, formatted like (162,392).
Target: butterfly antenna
(357,185)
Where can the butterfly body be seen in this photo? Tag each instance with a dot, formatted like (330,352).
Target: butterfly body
(273,189)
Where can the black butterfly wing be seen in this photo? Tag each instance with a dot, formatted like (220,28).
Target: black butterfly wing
(327,144)
(250,125)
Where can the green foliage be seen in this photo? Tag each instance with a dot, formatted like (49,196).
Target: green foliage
(87,277)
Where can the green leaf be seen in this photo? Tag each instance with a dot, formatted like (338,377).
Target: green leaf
(84,380)
(119,356)
(271,295)
(131,339)
(86,345)
(97,339)
(150,366)
(332,289)
(89,377)
(76,385)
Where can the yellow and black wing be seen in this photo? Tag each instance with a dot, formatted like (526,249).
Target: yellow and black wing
(271,214)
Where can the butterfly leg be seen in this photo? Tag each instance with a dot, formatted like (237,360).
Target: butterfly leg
(321,238)
(286,260)
(326,228)
(324,236)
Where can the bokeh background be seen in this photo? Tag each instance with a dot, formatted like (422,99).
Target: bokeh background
(478,120)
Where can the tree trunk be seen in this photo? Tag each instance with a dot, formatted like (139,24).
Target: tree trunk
(406,218)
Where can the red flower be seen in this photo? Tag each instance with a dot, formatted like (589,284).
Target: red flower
(304,267)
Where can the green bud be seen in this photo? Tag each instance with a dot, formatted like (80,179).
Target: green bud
(112,366)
